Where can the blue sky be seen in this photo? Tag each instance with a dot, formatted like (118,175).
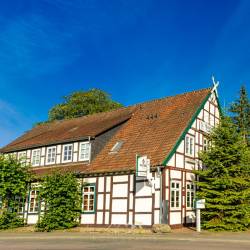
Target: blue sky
(135,50)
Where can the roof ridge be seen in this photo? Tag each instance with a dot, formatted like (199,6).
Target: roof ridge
(118,109)
(171,96)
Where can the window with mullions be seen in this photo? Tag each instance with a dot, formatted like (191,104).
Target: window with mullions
(22,157)
(51,155)
(189,145)
(34,201)
(190,191)
(19,204)
(67,152)
(36,157)
(84,151)
(89,198)
(175,194)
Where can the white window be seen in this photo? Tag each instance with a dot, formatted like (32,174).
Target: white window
(34,201)
(205,144)
(175,194)
(89,198)
(19,204)
(84,152)
(51,155)
(67,152)
(189,145)
(36,157)
(190,191)
(22,157)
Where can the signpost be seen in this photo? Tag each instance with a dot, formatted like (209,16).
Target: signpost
(199,204)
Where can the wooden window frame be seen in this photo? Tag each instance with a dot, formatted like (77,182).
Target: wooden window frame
(50,153)
(80,151)
(88,194)
(63,153)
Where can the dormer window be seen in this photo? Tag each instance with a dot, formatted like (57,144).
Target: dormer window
(36,157)
(117,147)
(67,153)
(84,152)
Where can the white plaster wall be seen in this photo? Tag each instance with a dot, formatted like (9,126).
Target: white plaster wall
(58,159)
(179,161)
(130,219)
(119,219)
(157,199)
(131,201)
(181,147)
(100,201)
(157,181)
(120,178)
(108,181)
(87,219)
(75,157)
(99,217)
(131,188)
(43,151)
(171,162)
(143,189)
(75,146)
(191,131)
(175,218)
(190,176)
(175,174)
(142,219)
(32,219)
(206,107)
(143,204)
(28,153)
(89,180)
(156,217)
(120,190)
(59,148)
(101,184)
(106,218)
(189,165)
(107,201)
(119,205)
(42,161)
(200,114)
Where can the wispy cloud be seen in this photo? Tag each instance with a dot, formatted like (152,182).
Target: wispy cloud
(12,123)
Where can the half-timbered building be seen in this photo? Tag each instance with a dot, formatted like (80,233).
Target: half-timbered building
(101,149)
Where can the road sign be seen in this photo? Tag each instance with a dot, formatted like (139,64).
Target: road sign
(200,204)
(142,166)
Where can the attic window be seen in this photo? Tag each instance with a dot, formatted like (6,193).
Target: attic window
(116,147)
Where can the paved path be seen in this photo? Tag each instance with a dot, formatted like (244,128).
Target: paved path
(75,241)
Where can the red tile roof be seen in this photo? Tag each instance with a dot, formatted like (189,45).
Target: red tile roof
(153,130)
(69,130)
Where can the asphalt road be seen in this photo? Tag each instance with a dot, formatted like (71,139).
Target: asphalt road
(75,241)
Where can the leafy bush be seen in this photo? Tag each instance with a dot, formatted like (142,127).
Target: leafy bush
(61,193)
(10,220)
(14,176)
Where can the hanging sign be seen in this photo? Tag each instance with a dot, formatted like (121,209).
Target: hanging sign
(142,166)
(200,204)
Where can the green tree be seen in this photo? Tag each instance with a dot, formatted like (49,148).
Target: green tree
(14,179)
(241,114)
(225,180)
(83,103)
(61,193)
